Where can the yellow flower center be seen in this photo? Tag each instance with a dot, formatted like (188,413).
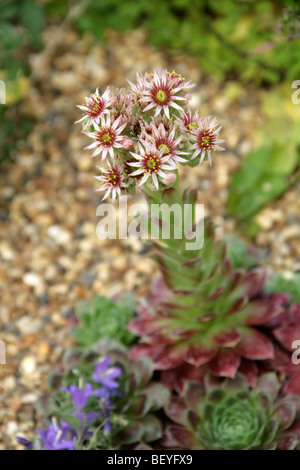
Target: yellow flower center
(151,164)
(106,138)
(205,140)
(161,96)
(192,125)
(165,147)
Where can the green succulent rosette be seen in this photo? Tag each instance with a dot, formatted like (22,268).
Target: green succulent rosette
(229,415)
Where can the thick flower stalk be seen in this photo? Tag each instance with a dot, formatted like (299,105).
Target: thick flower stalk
(205,312)
(229,415)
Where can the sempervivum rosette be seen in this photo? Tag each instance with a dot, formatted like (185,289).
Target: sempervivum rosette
(229,415)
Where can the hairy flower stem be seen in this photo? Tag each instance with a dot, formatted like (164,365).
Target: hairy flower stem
(194,275)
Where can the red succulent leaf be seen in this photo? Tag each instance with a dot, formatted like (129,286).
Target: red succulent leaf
(198,354)
(227,266)
(183,333)
(225,363)
(193,420)
(216,294)
(286,335)
(175,379)
(281,317)
(194,391)
(250,370)
(238,305)
(160,290)
(282,362)
(292,386)
(168,442)
(159,293)
(145,350)
(262,311)
(280,298)
(237,277)
(294,312)
(144,310)
(132,433)
(142,371)
(288,443)
(158,395)
(286,413)
(192,262)
(271,434)
(176,410)
(170,357)
(160,337)
(269,382)
(228,338)
(143,446)
(294,430)
(255,345)
(145,326)
(253,282)
(185,292)
(181,436)
(152,428)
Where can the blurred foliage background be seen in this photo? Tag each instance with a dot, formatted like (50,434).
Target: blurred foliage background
(240,42)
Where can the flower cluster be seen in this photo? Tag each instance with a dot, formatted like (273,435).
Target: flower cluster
(141,134)
(66,436)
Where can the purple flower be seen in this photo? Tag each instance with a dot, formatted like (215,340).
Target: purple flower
(107,427)
(105,374)
(58,438)
(24,442)
(80,396)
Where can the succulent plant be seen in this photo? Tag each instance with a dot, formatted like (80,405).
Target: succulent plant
(102,317)
(229,415)
(204,311)
(285,329)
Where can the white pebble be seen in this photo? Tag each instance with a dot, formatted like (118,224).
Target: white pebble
(59,235)
(28,365)
(11,427)
(32,279)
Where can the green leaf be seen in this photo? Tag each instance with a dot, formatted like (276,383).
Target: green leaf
(239,254)
(32,18)
(283,158)
(263,176)
(280,283)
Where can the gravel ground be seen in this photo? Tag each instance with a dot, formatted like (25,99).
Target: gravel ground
(50,256)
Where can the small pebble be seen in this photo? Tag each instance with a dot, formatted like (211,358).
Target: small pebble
(28,365)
